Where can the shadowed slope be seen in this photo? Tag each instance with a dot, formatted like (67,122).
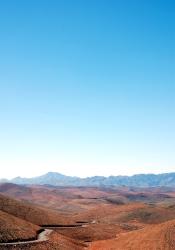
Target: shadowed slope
(13,228)
(32,213)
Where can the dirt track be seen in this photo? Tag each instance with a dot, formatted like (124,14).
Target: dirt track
(41,237)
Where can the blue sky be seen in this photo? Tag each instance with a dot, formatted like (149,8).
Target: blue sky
(87,87)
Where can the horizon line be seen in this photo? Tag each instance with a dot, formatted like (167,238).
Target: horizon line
(53,172)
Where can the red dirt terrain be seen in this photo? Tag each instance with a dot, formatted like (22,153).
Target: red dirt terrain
(155,237)
(13,228)
(87,218)
(32,213)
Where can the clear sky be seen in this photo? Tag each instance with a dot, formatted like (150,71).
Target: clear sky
(87,87)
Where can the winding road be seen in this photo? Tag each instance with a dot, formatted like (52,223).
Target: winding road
(41,237)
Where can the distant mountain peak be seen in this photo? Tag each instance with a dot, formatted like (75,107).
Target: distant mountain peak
(139,180)
(53,174)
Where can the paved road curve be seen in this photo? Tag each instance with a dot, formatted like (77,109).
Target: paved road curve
(43,236)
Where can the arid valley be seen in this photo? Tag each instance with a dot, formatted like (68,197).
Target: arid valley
(41,217)
(87,125)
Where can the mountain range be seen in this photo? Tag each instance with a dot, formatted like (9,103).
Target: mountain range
(139,180)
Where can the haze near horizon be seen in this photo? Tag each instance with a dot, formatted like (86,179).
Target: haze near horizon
(87,87)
